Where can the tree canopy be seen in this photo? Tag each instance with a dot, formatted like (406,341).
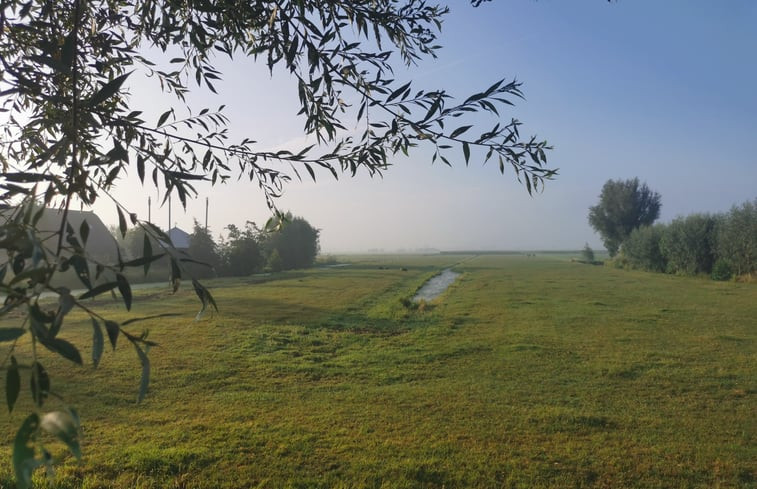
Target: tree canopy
(737,238)
(292,244)
(624,205)
(72,127)
(203,249)
(720,245)
(70,132)
(241,251)
(296,244)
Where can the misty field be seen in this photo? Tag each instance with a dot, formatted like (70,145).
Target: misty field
(528,372)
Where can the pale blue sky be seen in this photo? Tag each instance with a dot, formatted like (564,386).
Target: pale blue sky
(660,90)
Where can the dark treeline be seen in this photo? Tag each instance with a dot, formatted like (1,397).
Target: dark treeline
(720,245)
(242,251)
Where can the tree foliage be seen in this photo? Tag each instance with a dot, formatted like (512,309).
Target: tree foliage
(737,238)
(587,253)
(293,243)
(688,244)
(70,131)
(274,262)
(624,205)
(718,245)
(643,251)
(296,244)
(241,252)
(203,251)
(722,270)
(132,244)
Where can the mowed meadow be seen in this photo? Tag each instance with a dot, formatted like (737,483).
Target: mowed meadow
(528,372)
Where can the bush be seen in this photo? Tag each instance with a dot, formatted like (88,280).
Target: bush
(587,253)
(688,244)
(642,249)
(737,238)
(408,303)
(620,262)
(722,270)
(274,262)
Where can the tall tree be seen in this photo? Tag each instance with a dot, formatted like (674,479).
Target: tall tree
(624,205)
(203,252)
(296,243)
(242,253)
(70,131)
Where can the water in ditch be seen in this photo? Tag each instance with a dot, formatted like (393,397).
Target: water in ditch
(434,287)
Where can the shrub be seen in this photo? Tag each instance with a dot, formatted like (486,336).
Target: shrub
(587,253)
(688,244)
(619,261)
(722,270)
(408,303)
(274,262)
(737,238)
(642,249)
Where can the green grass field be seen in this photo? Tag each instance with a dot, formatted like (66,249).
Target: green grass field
(528,372)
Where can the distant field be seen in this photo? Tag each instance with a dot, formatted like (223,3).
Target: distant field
(529,372)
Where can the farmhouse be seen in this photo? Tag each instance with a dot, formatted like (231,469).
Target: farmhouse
(100,243)
(179,238)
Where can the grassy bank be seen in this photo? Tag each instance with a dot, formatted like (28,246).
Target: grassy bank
(528,372)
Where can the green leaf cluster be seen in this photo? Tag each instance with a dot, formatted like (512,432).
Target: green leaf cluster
(719,245)
(624,205)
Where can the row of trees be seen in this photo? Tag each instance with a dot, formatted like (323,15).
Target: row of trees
(243,251)
(717,244)
(252,250)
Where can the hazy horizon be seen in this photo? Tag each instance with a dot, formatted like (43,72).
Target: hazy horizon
(662,91)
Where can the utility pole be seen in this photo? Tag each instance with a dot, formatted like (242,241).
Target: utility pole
(169,216)
(206,214)
(149,209)
(168,232)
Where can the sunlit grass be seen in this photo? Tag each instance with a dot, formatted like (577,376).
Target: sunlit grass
(529,372)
